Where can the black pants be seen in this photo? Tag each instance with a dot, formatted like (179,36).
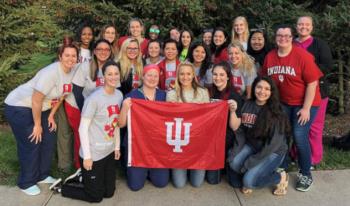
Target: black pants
(98,182)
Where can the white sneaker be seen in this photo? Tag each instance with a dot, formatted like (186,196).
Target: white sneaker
(33,190)
(48,180)
(56,186)
(76,177)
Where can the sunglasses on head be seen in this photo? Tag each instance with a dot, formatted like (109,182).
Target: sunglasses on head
(208,30)
(258,30)
(151,30)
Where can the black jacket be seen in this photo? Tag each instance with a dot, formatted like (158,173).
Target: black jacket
(323,58)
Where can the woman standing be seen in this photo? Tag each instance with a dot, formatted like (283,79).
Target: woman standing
(168,66)
(136,31)
(100,141)
(258,47)
(154,52)
(86,37)
(131,65)
(220,43)
(199,56)
(207,36)
(136,176)
(186,37)
(27,109)
(154,32)
(87,78)
(243,69)
(222,90)
(240,31)
(260,144)
(323,58)
(187,90)
(296,75)
(110,33)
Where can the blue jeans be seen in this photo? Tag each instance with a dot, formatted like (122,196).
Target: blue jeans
(136,177)
(301,137)
(180,177)
(213,176)
(262,175)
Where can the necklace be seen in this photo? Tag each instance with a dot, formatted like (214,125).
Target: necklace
(147,97)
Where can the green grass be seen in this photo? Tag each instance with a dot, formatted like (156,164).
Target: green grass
(333,159)
(9,165)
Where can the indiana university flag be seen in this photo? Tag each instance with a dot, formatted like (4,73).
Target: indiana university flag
(177,135)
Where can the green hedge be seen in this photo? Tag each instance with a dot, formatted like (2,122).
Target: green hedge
(30,27)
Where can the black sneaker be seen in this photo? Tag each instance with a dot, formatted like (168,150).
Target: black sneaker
(304,183)
(76,177)
(56,186)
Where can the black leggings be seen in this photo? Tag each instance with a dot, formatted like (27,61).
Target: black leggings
(98,182)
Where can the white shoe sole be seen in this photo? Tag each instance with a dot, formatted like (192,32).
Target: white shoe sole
(73,175)
(58,181)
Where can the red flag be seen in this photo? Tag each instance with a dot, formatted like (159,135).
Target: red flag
(177,135)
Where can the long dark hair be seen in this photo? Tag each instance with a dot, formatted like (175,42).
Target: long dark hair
(94,63)
(271,115)
(181,46)
(207,60)
(217,49)
(259,56)
(80,31)
(228,89)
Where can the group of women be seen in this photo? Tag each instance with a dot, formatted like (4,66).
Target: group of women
(273,96)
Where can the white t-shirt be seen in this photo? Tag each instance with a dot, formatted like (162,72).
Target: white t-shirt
(84,55)
(82,78)
(51,81)
(103,110)
(170,75)
(207,79)
(240,80)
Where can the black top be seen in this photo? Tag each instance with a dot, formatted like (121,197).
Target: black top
(324,60)
(231,95)
(276,143)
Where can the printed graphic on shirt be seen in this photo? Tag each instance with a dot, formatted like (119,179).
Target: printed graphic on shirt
(100,81)
(281,71)
(113,112)
(135,80)
(248,119)
(170,79)
(66,89)
(237,83)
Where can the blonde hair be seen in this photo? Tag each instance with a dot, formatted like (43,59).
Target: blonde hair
(125,63)
(178,87)
(246,31)
(115,47)
(246,66)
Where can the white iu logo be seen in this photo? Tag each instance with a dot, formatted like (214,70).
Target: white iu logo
(177,142)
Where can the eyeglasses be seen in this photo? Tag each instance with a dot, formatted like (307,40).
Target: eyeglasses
(280,36)
(102,50)
(151,30)
(132,49)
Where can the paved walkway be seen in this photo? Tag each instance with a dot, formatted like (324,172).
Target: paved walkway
(330,188)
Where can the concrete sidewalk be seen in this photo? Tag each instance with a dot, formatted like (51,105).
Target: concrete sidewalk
(330,188)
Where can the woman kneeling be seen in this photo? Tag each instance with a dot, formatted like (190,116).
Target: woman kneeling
(260,144)
(100,141)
